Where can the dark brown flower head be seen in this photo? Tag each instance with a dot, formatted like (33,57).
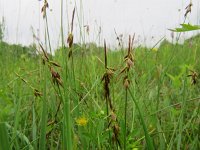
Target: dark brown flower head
(126,82)
(129,63)
(129,58)
(45,55)
(70,36)
(119,38)
(56,77)
(54,63)
(37,93)
(188,9)
(70,40)
(109,73)
(115,127)
(194,77)
(44,7)
(106,79)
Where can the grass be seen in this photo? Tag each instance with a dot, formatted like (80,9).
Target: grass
(96,98)
(164,113)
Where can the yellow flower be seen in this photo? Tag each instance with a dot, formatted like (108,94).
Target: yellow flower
(154,49)
(82,121)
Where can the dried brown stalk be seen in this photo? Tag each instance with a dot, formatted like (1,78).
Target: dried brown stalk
(188,9)
(70,37)
(194,77)
(44,8)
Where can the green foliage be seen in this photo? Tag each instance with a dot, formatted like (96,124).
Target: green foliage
(186,28)
(4,142)
(2,29)
(157,117)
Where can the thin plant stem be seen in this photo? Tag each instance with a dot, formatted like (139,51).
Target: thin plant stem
(61,23)
(47,30)
(150,145)
(125,117)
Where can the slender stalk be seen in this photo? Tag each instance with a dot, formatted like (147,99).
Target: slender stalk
(150,145)
(180,121)
(125,117)
(61,24)
(67,130)
(106,88)
(42,141)
(4,138)
(67,125)
(47,31)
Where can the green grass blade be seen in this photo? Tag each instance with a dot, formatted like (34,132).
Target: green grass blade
(4,141)
(150,145)
(42,142)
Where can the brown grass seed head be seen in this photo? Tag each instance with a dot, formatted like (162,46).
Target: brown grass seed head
(56,77)
(70,40)
(129,63)
(126,82)
(44,7)
(37,93)
(188,9)
(194,77)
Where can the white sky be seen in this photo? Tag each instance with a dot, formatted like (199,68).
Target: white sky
(146,18)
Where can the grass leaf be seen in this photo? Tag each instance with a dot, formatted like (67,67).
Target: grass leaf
(186,28)
(4,142)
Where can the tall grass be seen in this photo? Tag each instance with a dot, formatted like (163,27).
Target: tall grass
(148,99)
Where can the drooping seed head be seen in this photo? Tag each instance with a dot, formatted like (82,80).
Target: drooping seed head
(126,82)
(70,40)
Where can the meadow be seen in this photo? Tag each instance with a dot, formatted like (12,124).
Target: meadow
(155,102)
(91,97)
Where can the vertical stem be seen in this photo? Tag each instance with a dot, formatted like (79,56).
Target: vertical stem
(126,100)
(42,142)
(61,23)
(107,111)
(105,54)
(47,28)
(147,136)
(67,124)
(107,95)
(67,128)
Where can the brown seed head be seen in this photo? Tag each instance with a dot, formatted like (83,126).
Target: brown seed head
(126,82)
(129,63)
(194,77)
(70,40)
(188,9)
(109,73)
(56,77)
(44,7)
(55,63)
(37,93)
